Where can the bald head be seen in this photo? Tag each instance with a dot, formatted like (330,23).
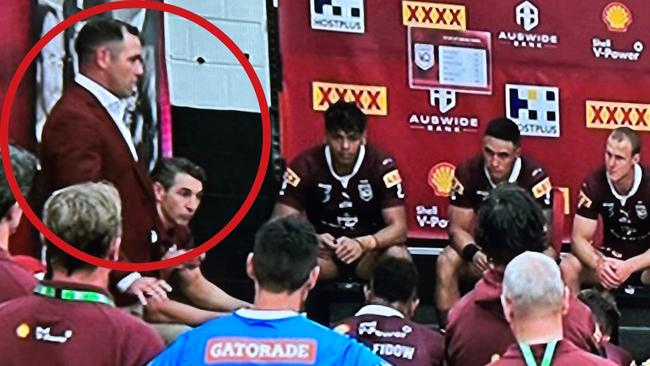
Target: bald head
(532,284)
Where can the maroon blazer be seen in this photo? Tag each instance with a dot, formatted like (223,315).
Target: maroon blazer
(82,143)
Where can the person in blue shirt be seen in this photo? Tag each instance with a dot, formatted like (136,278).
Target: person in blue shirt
(284,268)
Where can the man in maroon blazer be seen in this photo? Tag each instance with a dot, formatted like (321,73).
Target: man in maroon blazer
(85,138)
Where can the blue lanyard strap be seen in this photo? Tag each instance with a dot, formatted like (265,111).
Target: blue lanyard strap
(530,358)
(73,295)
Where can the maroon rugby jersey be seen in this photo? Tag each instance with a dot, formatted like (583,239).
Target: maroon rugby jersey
(42,330)
(566,353)
(15,281)
(626,225)
(396,339)
(472,183)
(477,328)
(343,206)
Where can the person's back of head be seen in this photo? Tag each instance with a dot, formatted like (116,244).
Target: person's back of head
(533,286)
(346,117)
(23,164)
(167,169)
(285,254)
(509,223)
(395,281)
(604,310)
(86,216)
(100,32)
(504,129)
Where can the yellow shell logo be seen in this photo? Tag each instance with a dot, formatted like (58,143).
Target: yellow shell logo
(441,178)
(22,331)
(617,17)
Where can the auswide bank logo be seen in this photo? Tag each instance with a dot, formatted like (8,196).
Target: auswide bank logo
(372,100)
(611,115)
(535,109)
(527,16)
(338,15)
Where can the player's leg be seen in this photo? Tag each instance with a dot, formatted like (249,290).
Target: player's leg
(575,274)
(449,267)
(369,260)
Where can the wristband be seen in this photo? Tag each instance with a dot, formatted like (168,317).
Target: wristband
(368,243)
(469,251)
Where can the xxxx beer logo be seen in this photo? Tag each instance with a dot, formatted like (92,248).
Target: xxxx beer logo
(610,115)
(433,15)
(371,99)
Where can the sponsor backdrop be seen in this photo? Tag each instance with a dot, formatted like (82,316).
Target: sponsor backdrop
(430,76)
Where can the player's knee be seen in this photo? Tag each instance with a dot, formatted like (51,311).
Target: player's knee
(448,261)
(398,251)
(570,267)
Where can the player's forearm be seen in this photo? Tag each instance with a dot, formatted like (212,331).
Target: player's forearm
(459,238)
(394,234)
(170,311)
(585,252)
(206,295)
(640,262)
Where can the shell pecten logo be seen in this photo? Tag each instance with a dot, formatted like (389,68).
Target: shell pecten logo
(441,178)
(617,17)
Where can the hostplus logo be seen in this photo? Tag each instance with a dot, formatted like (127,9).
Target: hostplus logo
(338,15)
(527,16)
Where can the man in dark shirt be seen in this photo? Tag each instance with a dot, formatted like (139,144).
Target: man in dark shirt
(534,301)
(509,223)
(618,192)
(500,161)
(72,320)
(384,324)
(606,315)
(178,188)
(351,192)
(15,280)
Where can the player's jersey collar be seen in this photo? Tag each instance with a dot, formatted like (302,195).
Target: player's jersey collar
(345,179)
(378,310)
(638,175)
(514,175)
(265,314)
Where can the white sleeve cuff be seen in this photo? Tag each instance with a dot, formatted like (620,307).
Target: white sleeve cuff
(127,281)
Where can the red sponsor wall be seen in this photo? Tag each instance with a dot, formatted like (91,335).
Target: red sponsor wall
(16,40)
(555,56)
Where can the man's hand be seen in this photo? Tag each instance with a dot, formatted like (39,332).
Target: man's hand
(348,250)
(622,269)
(480,262)
(326,240)
(151,287)
(606,273)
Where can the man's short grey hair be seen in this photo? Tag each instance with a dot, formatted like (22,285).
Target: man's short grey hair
(24,166)
(532,282)
(87,216)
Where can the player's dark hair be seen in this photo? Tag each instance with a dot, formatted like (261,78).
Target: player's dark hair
(285,253)
(603,308)
(510,222)
(627,133)
(99,32)
(395,279)
(504,129)
(166,170)
(346,117)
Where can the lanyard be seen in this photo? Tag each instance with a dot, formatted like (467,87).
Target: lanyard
(530,358)
(73,295)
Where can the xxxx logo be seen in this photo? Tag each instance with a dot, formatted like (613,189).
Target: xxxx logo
(610,115)
(371,99)
(433,15)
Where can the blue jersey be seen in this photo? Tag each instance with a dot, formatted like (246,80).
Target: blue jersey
(256,337)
